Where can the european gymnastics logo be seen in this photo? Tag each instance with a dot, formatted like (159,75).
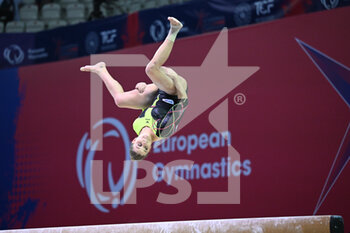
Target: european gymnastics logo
(176,173)
(89,171)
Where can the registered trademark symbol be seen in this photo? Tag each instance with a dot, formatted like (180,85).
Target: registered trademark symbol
(239,99)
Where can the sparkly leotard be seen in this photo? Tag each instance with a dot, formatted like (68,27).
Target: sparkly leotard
(163,116)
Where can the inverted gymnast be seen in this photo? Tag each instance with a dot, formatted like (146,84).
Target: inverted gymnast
(162,103)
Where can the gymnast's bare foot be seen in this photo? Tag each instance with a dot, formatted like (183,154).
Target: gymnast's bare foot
(97,68)
(175,24)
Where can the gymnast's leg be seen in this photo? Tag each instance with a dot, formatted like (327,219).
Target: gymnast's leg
(154,69)
(112,85)
(130,99)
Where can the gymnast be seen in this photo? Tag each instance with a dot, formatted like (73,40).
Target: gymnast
(162,103)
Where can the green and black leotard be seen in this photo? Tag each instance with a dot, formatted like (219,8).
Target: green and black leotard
(163,116)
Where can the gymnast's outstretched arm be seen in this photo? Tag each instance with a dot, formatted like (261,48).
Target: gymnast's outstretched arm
(135,99)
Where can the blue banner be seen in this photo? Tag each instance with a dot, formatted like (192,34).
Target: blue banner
(147,26)
(62,43)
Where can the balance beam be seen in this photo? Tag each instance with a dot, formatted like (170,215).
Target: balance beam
(307,224)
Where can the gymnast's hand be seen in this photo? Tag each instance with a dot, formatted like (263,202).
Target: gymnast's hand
(141,87)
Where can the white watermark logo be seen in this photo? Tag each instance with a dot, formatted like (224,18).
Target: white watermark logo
(213,74)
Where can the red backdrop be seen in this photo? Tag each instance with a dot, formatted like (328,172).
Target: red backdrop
(290,128)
